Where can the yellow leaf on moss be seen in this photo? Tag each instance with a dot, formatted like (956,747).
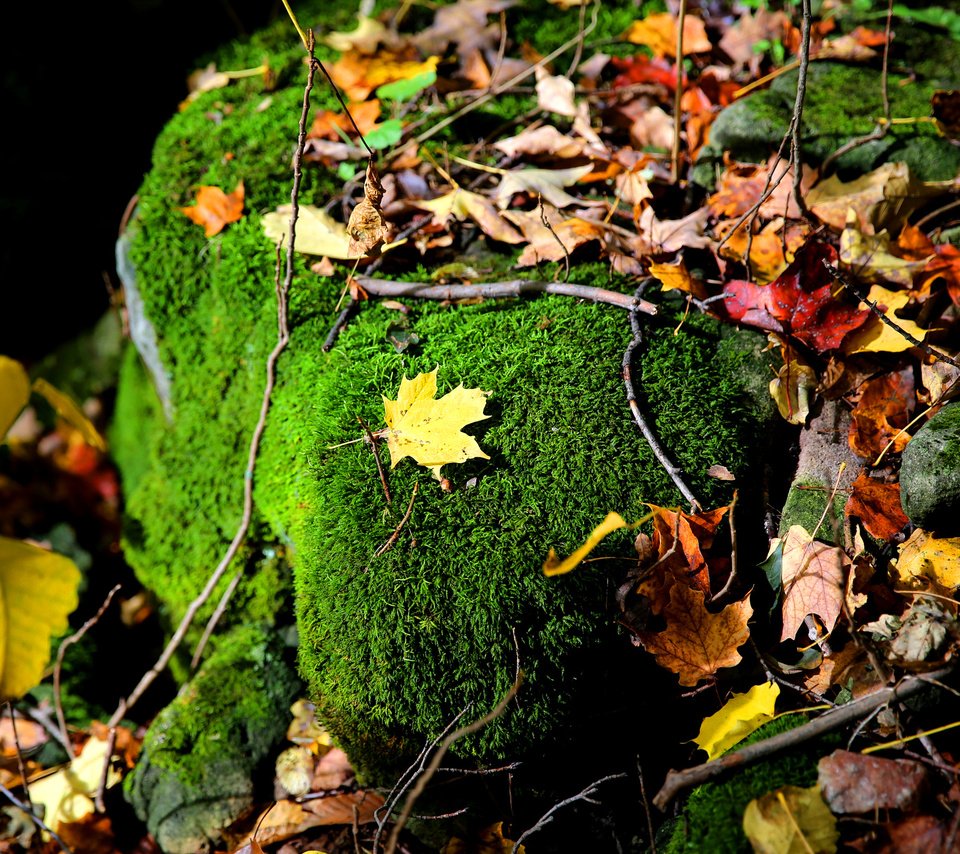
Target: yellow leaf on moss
(740,716)
(318,233)
(38,590)
(429,430)
(14,392)
(67,795)
(925,556)
(68,410)
(676,276)
(870,257)
(554,566)
(791,820)
(462,204)
(659,33)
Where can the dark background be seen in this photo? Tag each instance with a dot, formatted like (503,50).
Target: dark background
(86,88)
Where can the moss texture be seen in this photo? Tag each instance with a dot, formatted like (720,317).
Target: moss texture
(194,775)
(393,647)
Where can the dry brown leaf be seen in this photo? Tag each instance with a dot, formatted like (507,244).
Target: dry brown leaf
(881,414)
(812,574)
(671,235)
(215,209)
(545,139)
(738,41)
(463,24)
(284,819)
(555,93)
(659,33)
(676,276)
(697,643)
(546,183)
(462,204)
(853,783)
(870,259)
(877,505)
(366,227)
(327,123)
(545,243)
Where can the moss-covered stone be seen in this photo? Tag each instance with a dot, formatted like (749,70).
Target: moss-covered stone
(394,646)
(930,474)
(842,103)
(195,773)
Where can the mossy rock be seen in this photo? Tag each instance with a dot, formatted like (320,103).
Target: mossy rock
(394,646)
(196,770)
(841,104)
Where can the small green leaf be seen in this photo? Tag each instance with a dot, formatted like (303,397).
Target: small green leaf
(385,134)
(345,171)
(404,90)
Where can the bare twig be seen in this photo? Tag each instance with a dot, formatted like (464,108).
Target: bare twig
(547,817)
(342,319)
(560,243)
(480,772)
(283,336)
(872,305)
(646,808)
(58,667)
(392,541)
(733,550)
(372,442)
(578,51)
(10,796)
(678,95)
(652,441)
(797,120)
(215,618)
(431,769)
(105,772)
(16,743)
(500,290)
(677,781)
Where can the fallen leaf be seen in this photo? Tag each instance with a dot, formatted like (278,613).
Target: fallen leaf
(318,233)
(331,124)
(429,430)
(366,227)
(741,715)
(924,556)
(366,37)
(554,566)
(945,106)
(463,24)
(698,643)
(852,783)
(882,198)
(653,128)
(555,93)
(14,392)
(915,834)
(875,336)
(800,303)
(671,235)
(676,276)
(642,69)
(463,204)
(877,505)
(812,577)
(214,209)
(869,257)
(739,41)
(92,834)
(358,75)
(68,410)
(547,183)
(285,819)
(545,139)
(551,245)
(793,389)
(770,253)
(882,414)
(67,795)
(489,840)
(38,591)
(791,820)
(741,186)
(659,32)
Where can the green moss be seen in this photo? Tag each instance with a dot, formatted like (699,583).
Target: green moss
(805,506)
(194,775)
(712,817)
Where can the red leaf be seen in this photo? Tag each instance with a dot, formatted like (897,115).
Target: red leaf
(877,504)
(800,303)
(642,69)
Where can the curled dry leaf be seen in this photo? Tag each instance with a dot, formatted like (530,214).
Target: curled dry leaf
(554,243)
(215,209)
(366,228)
(794,389)
(555,93)
(545,139)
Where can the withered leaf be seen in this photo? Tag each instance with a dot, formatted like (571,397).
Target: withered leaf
(853,783)
(366,227)
(877,505)
(881,414)
(215,209)
(812,575)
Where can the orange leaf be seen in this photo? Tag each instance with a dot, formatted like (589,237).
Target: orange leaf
(214,209)
(881,413)
(877,505)
(683,537)
(659,33)
(696,642)
(812,575)
(326,123)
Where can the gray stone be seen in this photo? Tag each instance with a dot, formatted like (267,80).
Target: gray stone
(930,474)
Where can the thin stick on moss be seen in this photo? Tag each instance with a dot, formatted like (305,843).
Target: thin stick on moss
(872,305)
(731,579)
(390,543)
(98,803)
(648,434)
(583,795)
(502,290)
(58,667)
(283,336)
(372,442)
(431,769)
(837,717)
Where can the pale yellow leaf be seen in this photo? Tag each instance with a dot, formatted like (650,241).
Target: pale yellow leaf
(554,566)
(14,392)
(793,390)
(68,794)
(365,37)
(869,256)
(38,590)
(924,556)
(812,575)
(875,336)
(462,204)
(429,430)
(68,410)
(791,820)
(659,32)
(548,183)
(318,233)
(555,94)
(740,716)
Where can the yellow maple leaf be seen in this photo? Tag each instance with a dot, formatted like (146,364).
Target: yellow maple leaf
(462,204)
(554,566)
(875,336)
(659,33)
(870,256)
(791,820)
(429,430)
(38,590)
(924,556)
(740,716)
(676,276)
(812,573)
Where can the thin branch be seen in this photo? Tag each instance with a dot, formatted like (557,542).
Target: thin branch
(547,817)
(431,769)
(58,667)
(872,305)
(500,290)
(215,618)
(807,16)
(560,243)
(839,716)
(10,796)
(105,772)
(646,808)
(678,96)
(390,543)
(733,550)
(283,336)
(372,442)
